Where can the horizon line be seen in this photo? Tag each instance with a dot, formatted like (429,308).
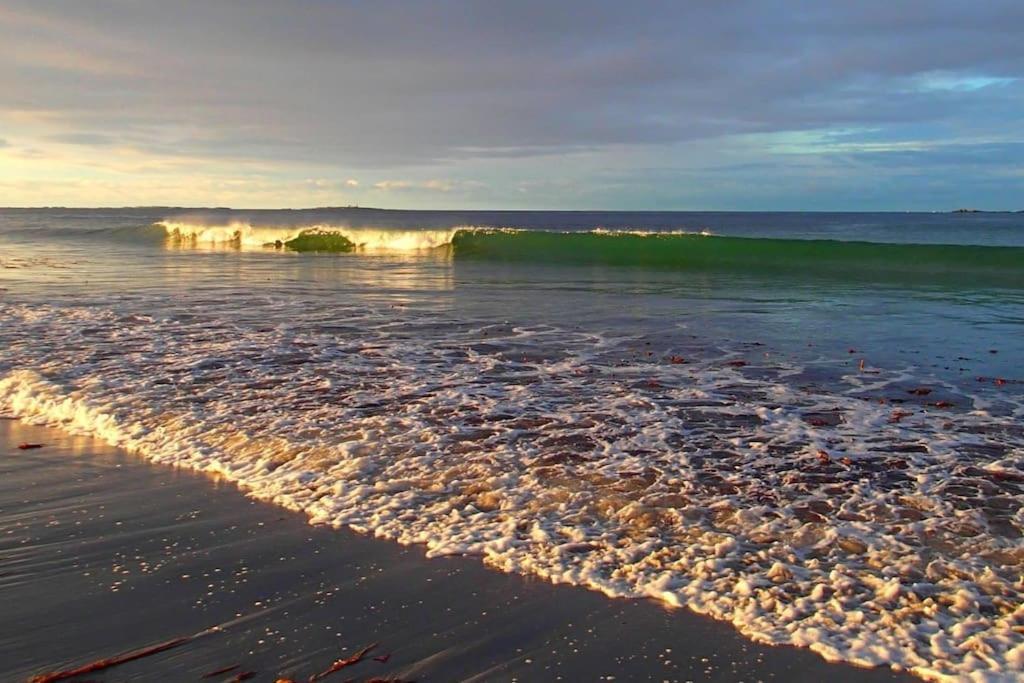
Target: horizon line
(377,208)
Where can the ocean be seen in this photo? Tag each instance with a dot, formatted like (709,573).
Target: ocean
(809,425)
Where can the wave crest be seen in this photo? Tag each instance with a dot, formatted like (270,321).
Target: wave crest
(318,237)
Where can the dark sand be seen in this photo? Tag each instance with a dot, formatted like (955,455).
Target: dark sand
(101,552)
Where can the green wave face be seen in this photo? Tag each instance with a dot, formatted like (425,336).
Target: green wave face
(867,260)
(947,265)
(320,241)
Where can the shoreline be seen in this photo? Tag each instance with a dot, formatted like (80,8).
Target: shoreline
(100,540)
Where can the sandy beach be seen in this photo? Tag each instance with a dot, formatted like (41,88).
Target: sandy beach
(104,553)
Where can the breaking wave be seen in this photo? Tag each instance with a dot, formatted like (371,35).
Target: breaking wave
(957,264)
(324,238)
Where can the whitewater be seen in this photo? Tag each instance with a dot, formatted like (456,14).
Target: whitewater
(830,458)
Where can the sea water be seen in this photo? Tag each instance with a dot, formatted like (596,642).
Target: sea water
(809,425)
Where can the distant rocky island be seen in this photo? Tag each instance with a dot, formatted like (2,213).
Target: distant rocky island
(984,211)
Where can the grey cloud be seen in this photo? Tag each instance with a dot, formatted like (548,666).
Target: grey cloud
(391,83)
(980,155)
(89,139)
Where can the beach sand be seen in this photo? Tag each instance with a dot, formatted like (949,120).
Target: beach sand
(101,552)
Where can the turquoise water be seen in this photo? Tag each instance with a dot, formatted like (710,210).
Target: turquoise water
(777,419)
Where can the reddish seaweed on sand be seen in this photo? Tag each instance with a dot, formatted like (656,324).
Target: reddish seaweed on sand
(102,664)
(342,663)
(221,671)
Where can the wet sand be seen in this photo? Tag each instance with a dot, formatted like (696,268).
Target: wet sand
(101,552)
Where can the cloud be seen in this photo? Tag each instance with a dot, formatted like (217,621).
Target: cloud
(960,82)
(365,85)
(388,185)
(430,185)
(508,91)
(957,155)
(439,185)
(29,153)
(89,139)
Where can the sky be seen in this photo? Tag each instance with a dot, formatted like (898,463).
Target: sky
(726,105)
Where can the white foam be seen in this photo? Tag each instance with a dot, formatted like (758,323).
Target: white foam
(246,236)
(704,489)
(623,232)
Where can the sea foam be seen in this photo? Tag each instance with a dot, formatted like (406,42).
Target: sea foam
(804,514)
(244,235)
